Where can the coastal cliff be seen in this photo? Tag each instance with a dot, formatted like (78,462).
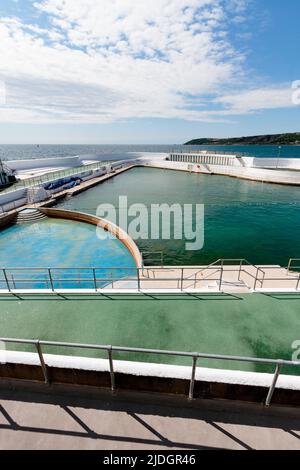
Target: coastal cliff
(267,139)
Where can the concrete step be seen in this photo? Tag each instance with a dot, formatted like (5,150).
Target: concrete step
(27,217)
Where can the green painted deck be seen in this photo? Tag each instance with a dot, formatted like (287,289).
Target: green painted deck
(254,325)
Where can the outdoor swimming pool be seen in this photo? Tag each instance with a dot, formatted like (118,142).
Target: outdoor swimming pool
(243,219)
(57,243)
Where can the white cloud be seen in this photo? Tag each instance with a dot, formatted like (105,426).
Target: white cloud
(257,99)
(103,60)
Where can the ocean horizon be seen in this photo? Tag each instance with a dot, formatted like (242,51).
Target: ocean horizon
(120,151)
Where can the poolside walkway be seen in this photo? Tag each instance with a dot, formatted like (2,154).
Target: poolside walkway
(217,277)
(231,279)
(31,420)
(71,192)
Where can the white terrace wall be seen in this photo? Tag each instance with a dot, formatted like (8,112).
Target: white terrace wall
(44,163)
(244,172)
(10,201)
(286,163)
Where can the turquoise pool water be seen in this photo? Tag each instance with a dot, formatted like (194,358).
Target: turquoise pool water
(56,243)
(243,219)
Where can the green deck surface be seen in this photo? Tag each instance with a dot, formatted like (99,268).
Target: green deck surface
(253,325)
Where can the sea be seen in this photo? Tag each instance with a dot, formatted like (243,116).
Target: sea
(119,152)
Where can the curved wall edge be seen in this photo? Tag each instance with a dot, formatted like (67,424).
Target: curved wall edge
(103,223)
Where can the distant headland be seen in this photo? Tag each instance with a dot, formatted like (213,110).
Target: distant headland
(267,139)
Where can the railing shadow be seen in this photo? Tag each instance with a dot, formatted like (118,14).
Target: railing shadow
(88,433)
(213,413)
(98,297)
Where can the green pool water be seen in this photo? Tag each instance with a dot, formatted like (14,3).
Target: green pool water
(254,325)
(243,219)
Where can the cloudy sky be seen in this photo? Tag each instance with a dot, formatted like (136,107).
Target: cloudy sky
(141,71)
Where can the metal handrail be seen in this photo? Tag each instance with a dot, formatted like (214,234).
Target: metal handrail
(241,261)
(291,261)
(208,267)
(254,265)
(279,363)
(51,276)
(212,152)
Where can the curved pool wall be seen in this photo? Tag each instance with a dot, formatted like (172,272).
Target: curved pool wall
(106,225)
(56,243)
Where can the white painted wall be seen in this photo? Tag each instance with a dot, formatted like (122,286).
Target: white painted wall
(247,172)
(289,163)
(19,165)
(148,369)
(179,166)
(8,197)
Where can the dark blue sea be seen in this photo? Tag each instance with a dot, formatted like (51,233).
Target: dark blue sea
(119,152)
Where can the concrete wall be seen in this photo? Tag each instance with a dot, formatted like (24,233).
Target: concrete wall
(247,172)
(6,220)
(37,194)
(286,163)
(142,383)
(259,174)
(68,162)
(12,200)
(179,166)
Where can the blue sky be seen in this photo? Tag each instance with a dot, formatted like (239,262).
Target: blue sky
(121,71)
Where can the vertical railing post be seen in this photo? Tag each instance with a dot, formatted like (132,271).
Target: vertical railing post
(111,369)
(192,382)
(298,283)
(95,279)
(13,281)
(273,384)
(256,279)
(43,364)
(51,280)
(139,278)
(240,271)
(181,280)
(263,280)
(6,279)
(221,277)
